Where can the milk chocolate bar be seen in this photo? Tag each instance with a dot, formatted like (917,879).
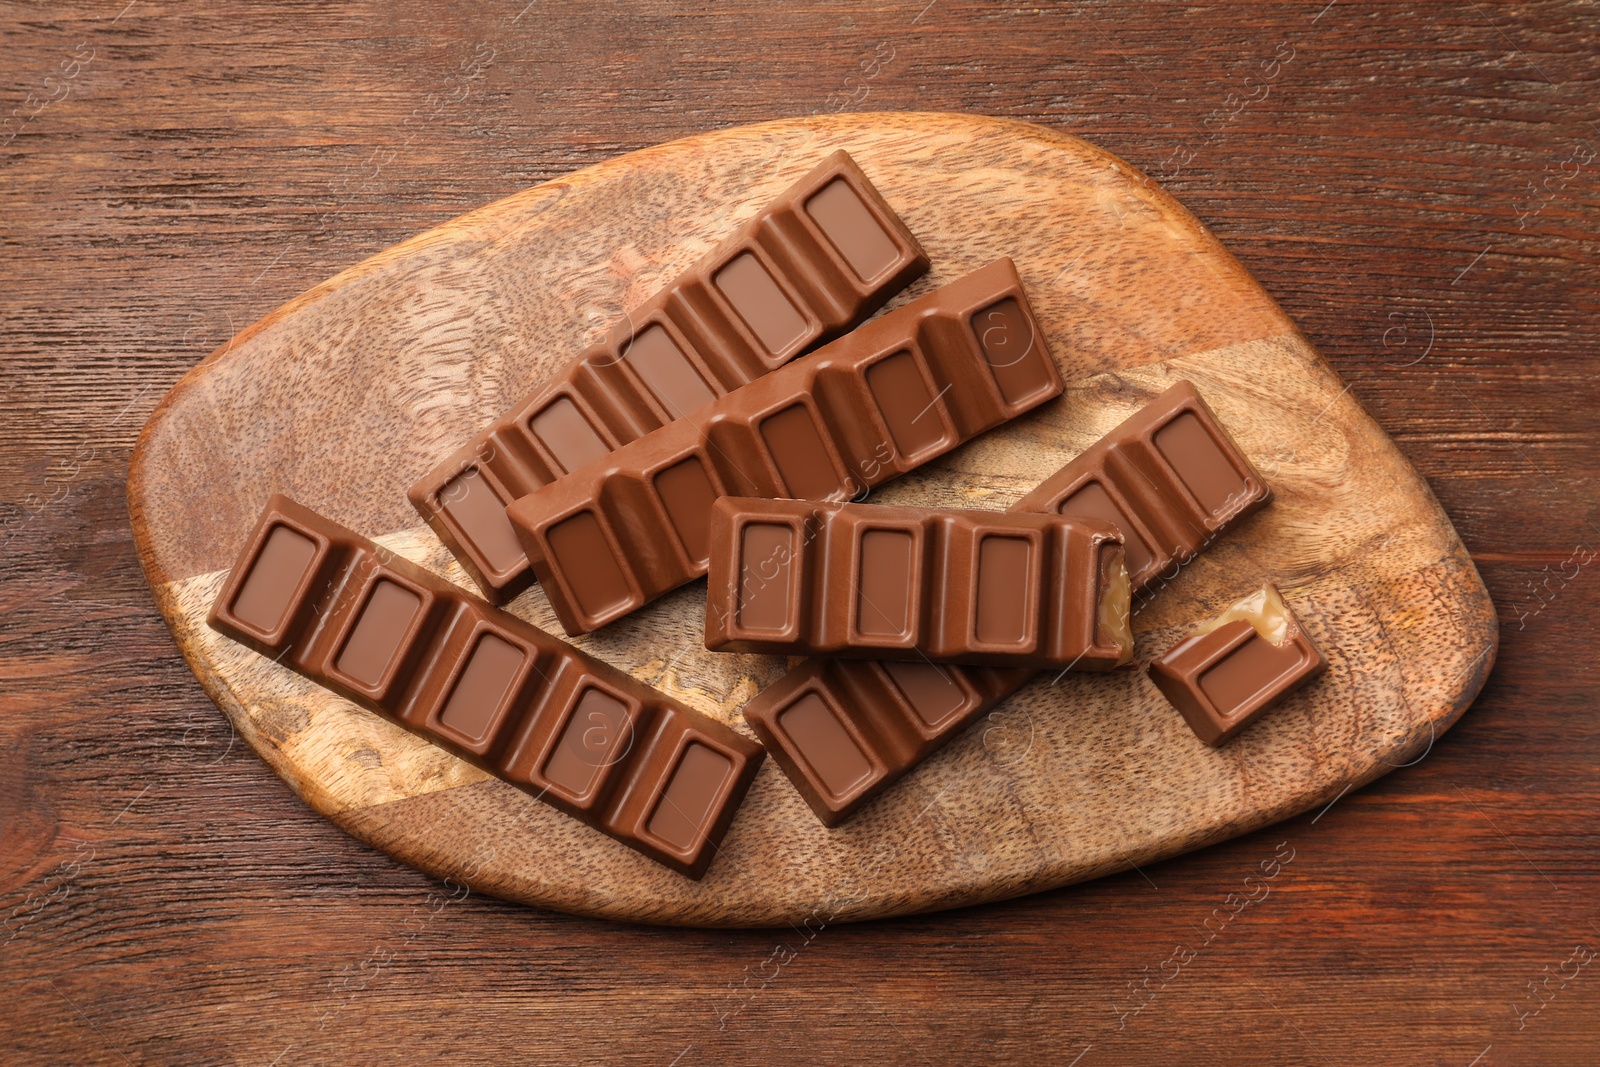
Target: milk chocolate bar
(798,578)
(525,706)
(1234,668)
(882,719)
(1169,477)
(816,262)
(899,391)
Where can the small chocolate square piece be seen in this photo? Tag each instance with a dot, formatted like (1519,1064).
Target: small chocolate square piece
(1232,669)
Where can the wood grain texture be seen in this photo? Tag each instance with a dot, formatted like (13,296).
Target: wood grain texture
(169,901)
(344,396)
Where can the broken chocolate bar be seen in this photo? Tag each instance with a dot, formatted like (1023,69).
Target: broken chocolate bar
(1234,668)
(901,390)
(817,261)
(798,578)
(1169,477)
(885,718)
(525,706)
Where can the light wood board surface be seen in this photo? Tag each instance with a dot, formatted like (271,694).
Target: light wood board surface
(345,395)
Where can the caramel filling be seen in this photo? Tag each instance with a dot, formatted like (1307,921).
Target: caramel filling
(1116,606)
(1264,609)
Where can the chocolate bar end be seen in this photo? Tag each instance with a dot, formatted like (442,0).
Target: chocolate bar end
(268,593)
(853,217)
(689,785)
(818,744)
(463,502)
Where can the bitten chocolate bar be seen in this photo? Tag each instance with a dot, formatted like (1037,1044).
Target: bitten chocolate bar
(1232,670)
(844,731)
(816,262)
(798,578)
(899,391)
(526,707)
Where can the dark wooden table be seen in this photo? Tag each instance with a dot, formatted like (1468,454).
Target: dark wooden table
(1416,183)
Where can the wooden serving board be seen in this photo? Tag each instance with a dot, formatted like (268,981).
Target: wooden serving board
(345,395)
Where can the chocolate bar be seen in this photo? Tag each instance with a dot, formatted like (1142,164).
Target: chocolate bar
(899,391)
(525,706)
(817,261)
(1233,669)
(798,578)
(1169,477)
(882,719)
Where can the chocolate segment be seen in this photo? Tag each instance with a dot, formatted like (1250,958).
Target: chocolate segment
(1235,668)
(264,599)
(746,283)
(481,687)
(812,265)
(1010,337)
(883,589)
(901,713)
(865,581)
(848,224)
(507,697)
(472,506)
(615,535)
